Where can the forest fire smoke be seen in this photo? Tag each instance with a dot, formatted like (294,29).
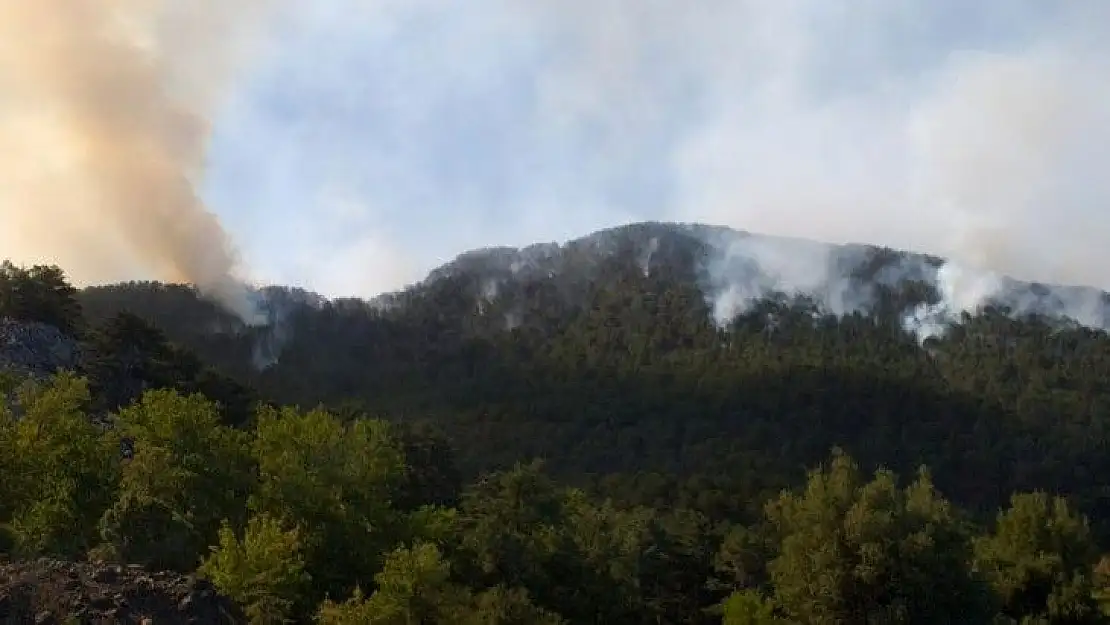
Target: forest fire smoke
(104,111)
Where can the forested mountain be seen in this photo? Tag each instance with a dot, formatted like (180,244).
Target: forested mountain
(677,381)
(603,357)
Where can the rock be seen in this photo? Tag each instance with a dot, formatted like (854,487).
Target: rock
(52,591)
(35,349)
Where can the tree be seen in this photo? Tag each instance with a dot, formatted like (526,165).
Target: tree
(263,571)
(505,606)
(748,607)
(855,551)
(59,471)
(40,293)
(513,531)
(188,475)
(1040,559)
(335,480)
(413,587)
(126,356)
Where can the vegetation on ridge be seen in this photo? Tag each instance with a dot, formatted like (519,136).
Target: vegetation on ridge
(389,475)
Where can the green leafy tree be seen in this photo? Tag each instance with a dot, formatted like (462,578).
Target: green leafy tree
(514,532)
(263,571)
(741,559)
(603,561)
(334,480)
(188,474)
(432,524)
(1041,561)
(508,606)
(586,561)
(126,356)
(39,293)
(59,471)
(857,551)
(748,607)
(414,586)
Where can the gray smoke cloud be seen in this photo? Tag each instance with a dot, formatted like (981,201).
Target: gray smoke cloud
(104,121)
(968,130)
(867,122)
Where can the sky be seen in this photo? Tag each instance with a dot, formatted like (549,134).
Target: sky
(361,143)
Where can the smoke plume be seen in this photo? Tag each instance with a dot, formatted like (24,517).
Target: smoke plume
(104,120)
(974,131)
(906,124)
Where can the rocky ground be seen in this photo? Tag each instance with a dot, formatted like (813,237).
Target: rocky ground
(35,349)
(49,592)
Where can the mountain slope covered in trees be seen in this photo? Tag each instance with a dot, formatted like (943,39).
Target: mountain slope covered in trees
(602,356)
(675,441)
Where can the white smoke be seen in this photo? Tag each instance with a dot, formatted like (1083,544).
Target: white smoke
(647,254)
(746,269)
(988,158)
(490,289)
(961,291)
(973,131)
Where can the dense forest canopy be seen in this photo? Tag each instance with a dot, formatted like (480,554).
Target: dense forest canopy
(573,434)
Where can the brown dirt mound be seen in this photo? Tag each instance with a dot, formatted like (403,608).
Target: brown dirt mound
(51,592)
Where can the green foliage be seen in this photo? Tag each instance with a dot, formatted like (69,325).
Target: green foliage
(582,559)
(621,382)
(503,606)
(1041,560)
(414,586)
(520,548)
(126,356)
(335,480)
(59,470)
(511,524)
(748,607)
(433,524)
(188,474)
(263,572)
(40,293)
(861,551)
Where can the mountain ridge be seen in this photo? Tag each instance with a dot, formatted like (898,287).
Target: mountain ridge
(736,269)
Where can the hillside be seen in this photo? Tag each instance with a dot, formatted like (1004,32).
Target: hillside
(697,465)
(603,356)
